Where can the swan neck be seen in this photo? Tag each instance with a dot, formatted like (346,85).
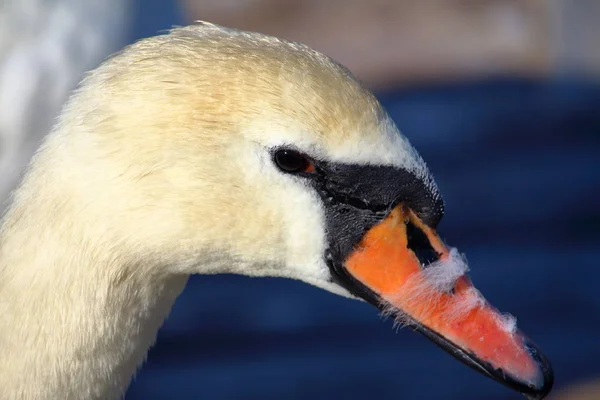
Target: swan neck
(75,321)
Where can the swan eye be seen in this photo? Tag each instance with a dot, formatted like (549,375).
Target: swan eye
(292,161)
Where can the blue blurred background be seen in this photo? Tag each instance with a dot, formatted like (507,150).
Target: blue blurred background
(517,158)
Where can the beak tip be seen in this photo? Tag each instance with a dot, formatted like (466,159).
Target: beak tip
(543,386)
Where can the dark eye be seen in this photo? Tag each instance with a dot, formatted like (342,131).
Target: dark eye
(292,161)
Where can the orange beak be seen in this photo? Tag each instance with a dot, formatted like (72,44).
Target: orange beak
(403,265)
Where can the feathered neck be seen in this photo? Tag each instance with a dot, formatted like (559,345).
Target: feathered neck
(76,319)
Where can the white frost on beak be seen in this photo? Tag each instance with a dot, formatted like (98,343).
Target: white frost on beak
(426,291)
(508,322)
(442,274)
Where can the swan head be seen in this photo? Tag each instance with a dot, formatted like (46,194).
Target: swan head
(212,150)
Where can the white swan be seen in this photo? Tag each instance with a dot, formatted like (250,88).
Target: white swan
(212,150)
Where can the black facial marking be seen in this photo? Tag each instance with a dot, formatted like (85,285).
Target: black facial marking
(378,188)
(358,197)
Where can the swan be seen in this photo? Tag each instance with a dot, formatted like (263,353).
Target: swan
(212,150)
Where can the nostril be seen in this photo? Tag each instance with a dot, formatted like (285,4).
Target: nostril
(420,245)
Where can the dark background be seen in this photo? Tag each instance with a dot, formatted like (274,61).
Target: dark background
(517,161)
